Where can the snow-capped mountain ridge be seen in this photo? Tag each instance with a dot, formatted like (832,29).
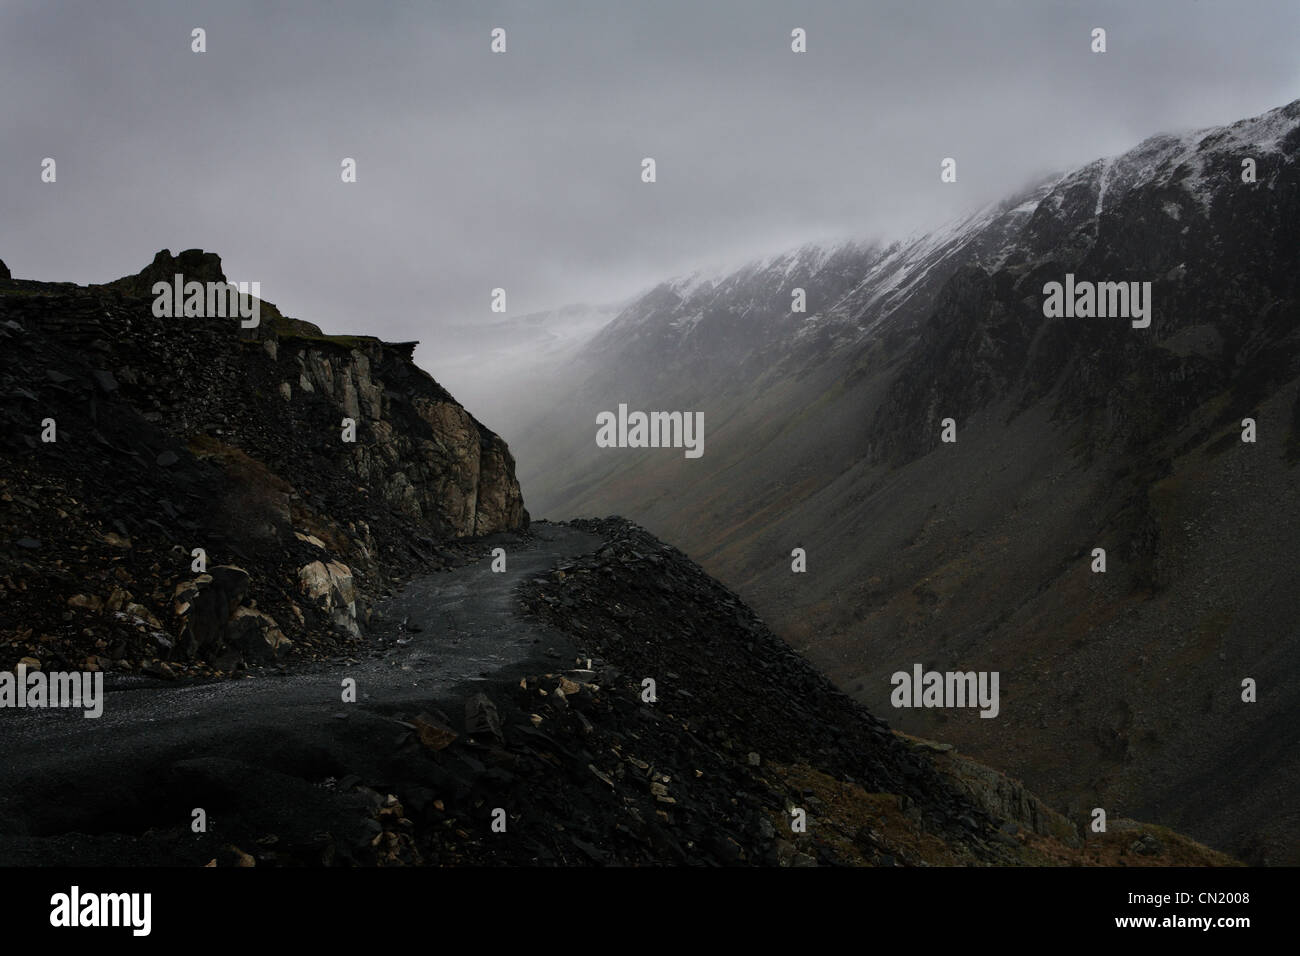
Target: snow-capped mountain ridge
(678,313)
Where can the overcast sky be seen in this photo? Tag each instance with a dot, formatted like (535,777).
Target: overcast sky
(522,169)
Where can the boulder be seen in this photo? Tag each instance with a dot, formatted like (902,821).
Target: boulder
(206,604)
(256,636)
(481,716)
(330,586)
(433,733)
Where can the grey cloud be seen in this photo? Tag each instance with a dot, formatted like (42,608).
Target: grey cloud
(522,170)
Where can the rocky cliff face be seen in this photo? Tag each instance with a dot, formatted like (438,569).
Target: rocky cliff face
(426,456)
(140,440)
(417,448)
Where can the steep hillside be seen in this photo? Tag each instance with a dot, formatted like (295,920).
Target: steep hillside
(1123,688)
(133,440)
(730,346)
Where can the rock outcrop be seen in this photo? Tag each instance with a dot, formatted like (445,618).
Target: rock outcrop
(214,624)
(194,264)
(417,448)
(156,438)
(329,586)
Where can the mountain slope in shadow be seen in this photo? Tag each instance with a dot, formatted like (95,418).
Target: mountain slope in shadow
(824,433)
